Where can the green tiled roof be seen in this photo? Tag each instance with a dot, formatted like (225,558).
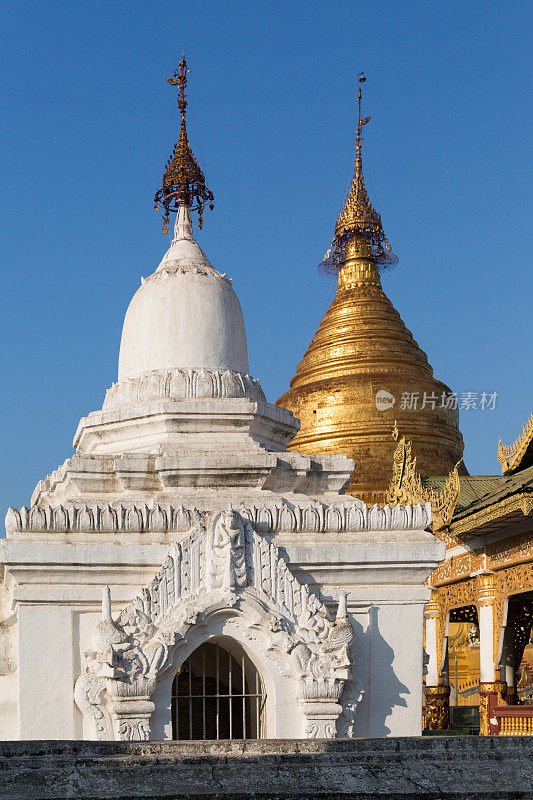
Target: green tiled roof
(473,487)
(479,491)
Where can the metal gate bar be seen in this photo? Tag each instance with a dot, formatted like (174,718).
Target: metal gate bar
(234,705)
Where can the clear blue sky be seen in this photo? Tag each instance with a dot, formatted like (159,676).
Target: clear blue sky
(85,135)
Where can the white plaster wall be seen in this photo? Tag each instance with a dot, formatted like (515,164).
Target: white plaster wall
(393,696)
(9,722)
(52,640)
(58,587)
(46,672)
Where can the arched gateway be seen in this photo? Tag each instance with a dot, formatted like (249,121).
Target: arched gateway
(223,610)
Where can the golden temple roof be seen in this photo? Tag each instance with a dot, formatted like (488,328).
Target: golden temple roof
(407,486)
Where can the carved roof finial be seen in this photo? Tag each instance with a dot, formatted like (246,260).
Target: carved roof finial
(406,486)
(518,455)
(183,180)
(358,222)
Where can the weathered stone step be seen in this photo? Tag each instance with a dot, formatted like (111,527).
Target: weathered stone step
(440,768)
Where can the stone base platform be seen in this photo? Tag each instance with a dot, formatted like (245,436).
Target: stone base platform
(440,768)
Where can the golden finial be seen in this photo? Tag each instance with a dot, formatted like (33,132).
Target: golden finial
(183,181)
(358,222)
(519,454)
(407,487)
(180,79)
(360,123)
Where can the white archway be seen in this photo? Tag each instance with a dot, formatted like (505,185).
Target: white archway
(283,716)
(221,580)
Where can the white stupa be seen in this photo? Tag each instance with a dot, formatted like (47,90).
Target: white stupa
(212,546)
(166,325)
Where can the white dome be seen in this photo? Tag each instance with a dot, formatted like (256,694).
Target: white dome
(184,315)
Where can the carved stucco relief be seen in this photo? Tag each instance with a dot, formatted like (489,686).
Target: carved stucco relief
(221,569)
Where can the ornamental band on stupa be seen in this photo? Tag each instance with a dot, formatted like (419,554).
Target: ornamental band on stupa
(183,575)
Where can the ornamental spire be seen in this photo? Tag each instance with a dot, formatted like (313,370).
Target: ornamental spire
(358,222)
(183,180)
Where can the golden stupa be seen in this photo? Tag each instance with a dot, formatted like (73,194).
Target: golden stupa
(363,370)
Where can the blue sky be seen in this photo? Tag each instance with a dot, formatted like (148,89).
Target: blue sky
(85,134)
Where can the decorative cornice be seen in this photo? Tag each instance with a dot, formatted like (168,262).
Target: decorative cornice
(513,550)
(458,567)
(511,457)
(508,552)
(268,518)
(406,485)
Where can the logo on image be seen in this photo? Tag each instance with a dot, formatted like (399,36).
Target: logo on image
(384,400)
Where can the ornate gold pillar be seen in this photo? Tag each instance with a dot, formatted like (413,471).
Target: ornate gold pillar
(490,695)
(437,708)
(436,694)
(491,688)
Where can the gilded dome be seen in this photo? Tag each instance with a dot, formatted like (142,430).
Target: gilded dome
(349,386)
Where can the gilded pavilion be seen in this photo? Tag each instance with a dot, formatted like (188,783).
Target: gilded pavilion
(347,391)
(478,635)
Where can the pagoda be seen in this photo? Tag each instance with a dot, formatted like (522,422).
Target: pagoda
(182,576)
(363,369)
